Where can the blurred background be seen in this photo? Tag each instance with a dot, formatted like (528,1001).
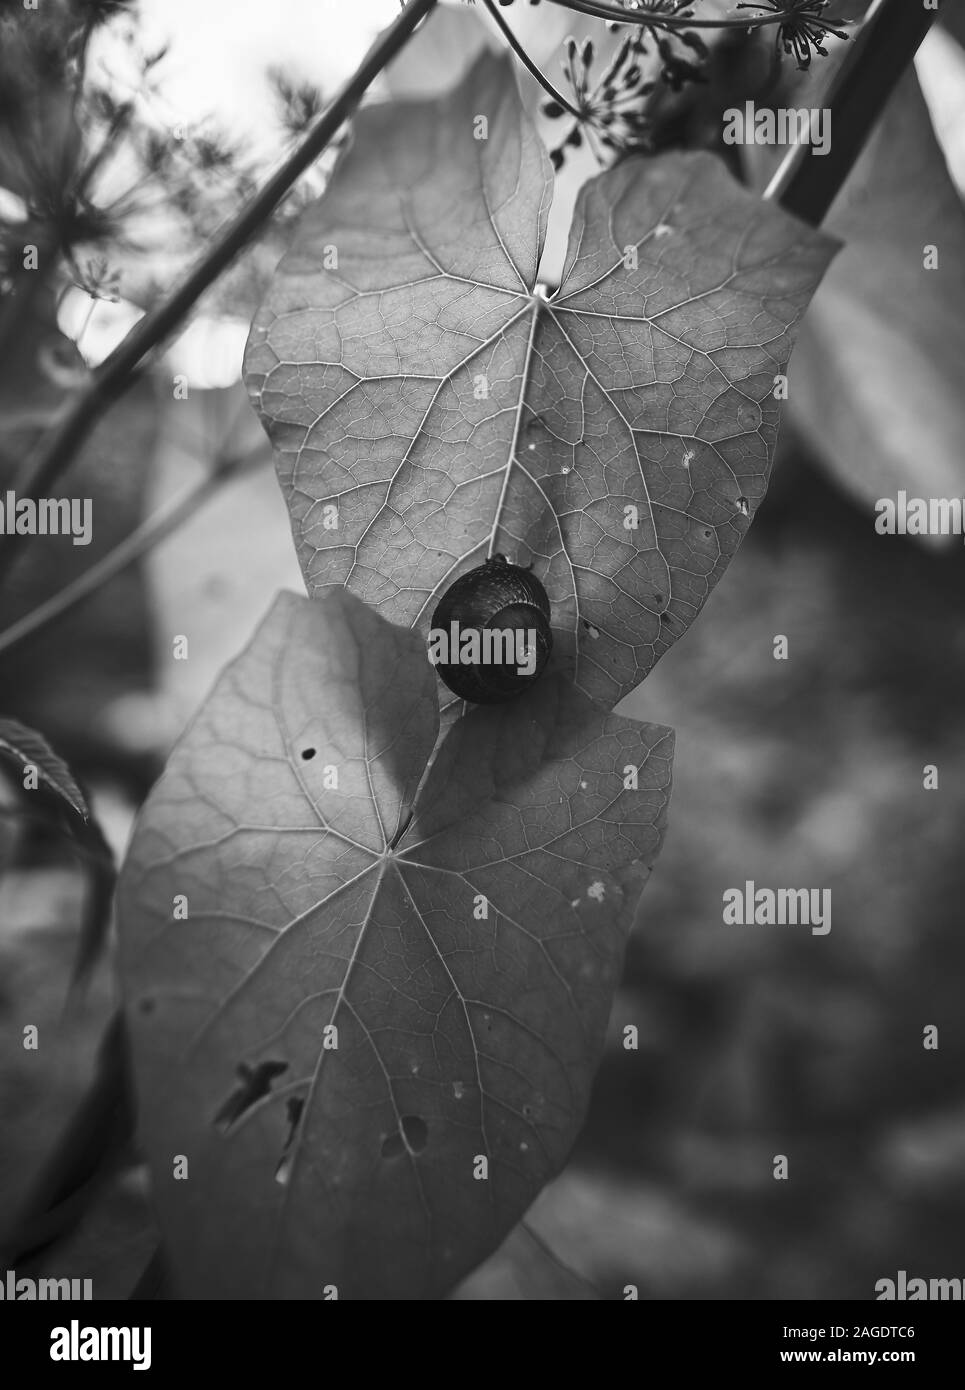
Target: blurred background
(752,1041)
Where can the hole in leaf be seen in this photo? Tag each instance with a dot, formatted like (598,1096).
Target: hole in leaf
(255,1084)
(413,1136)
(293,1110)
(308,754)
(416,1132)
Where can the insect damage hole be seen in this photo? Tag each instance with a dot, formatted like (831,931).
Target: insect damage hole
(255,1084)
(413,1135)
(293,1111)
(307,754)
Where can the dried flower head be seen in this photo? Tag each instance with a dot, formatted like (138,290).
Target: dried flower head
(612,114)
(803,31)
(608,113)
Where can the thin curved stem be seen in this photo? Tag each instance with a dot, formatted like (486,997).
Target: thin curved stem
(646,19)
(528,63)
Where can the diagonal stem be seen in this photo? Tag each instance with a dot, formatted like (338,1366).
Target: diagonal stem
(116,372)
(807,184)
(156,528)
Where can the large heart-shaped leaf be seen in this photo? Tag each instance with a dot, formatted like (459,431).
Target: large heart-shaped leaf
(412,375)
(461,930)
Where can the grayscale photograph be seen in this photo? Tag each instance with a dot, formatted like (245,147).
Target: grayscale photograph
(482,772)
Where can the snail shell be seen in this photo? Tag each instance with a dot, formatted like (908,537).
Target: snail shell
(497,596)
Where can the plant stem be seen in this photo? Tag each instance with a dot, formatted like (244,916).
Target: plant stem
(651,19)
(145,537)
(807,184)
(116,372)
(527,61)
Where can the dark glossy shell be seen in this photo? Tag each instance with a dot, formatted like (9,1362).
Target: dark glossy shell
(496,595)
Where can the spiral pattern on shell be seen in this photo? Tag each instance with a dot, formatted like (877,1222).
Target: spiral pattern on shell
(497,596)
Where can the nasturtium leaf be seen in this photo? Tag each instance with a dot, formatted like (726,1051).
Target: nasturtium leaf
(439,53)
(461,929)
(429,403)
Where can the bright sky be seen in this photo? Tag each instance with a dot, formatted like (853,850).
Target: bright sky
(220,50)
(219,53)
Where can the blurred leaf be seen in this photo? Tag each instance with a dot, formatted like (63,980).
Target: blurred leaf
(876,382)
(82,1158)
(588,1235)
(952,17)
(310,906)
(525,1267)
(452,411)
(208,581)
(940,64)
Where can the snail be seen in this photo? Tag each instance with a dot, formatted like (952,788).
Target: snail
(490,636)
